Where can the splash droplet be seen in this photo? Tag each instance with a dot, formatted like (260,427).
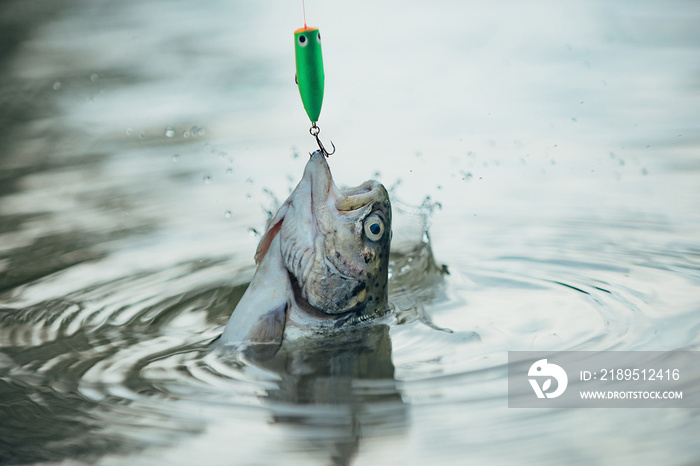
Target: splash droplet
(227,214)
(207,179)
(229,171)
(176,157)
(57,85)
(169,132)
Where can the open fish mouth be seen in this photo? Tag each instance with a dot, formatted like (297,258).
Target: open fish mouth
(356,198)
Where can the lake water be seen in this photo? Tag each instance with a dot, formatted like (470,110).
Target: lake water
(544,164)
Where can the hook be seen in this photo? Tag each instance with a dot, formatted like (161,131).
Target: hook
(314,130)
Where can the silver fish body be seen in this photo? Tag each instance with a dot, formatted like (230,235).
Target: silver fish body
(322,262)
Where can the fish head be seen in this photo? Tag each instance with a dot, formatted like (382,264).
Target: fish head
(334,242)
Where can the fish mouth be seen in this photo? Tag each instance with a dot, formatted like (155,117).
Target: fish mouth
(325,194)
(359,197)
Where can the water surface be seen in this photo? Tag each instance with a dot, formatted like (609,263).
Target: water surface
(544,161)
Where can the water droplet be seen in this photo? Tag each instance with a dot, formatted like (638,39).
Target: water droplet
(94,77)
(169,132)
(227,214)
(129,131)
(176,157)
(253,232)
(644,172)
(207,179)
(222,155)
(57,85)
(229,171)
(186,134)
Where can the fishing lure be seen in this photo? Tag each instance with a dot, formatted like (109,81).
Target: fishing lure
(310,77)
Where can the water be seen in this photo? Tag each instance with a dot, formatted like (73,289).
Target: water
(144,142)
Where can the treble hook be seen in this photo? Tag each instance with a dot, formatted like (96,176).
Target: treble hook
(314,130)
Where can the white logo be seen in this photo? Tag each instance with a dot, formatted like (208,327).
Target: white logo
(542,369)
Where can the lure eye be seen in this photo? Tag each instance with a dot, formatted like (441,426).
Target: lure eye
(301,40)
(318,37)
(374,227)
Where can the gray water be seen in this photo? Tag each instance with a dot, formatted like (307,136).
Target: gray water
(544,160)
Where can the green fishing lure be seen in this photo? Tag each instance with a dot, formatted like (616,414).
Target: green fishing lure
(310,77)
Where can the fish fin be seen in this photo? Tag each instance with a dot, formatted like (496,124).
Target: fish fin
(273,228)
(266,336)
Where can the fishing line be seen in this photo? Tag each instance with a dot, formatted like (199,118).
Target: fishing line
(303,9)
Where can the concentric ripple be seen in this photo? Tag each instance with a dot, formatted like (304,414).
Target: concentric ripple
(138,346)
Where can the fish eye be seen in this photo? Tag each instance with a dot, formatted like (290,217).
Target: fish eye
(374,227)
(318,37)
(302,40)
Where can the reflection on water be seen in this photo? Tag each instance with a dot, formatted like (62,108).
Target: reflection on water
(544,164)
(346,390)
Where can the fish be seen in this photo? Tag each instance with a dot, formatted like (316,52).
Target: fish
(322,264)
